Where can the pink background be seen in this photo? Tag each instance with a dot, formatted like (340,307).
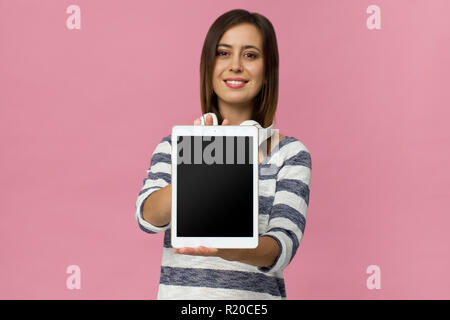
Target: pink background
(83,110)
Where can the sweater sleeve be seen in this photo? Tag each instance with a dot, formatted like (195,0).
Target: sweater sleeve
(158,176)
(288,215)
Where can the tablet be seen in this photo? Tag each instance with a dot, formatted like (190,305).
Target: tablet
(215,186)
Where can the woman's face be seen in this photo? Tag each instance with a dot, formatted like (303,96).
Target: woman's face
(239,55)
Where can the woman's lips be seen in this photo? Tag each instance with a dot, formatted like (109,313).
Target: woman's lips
(235,86)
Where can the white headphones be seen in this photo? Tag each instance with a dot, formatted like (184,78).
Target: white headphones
(264,133)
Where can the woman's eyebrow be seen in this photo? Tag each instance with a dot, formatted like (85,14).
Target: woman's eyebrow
(243,47)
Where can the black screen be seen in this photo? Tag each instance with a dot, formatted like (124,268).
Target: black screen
(214,186)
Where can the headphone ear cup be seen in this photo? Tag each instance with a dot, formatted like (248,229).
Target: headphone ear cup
(263,133)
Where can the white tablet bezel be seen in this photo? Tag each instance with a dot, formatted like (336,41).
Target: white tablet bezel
(215,242)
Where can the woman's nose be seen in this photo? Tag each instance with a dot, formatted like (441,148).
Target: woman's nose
(236,64)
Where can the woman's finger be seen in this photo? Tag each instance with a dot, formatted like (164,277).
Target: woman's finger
(199,251)
(209,120)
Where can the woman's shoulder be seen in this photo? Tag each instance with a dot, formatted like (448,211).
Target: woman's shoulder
(293,150)
(167,138)
(164,145)
(292,142)
(164,142)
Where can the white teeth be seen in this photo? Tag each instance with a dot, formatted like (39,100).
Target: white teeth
(235,82)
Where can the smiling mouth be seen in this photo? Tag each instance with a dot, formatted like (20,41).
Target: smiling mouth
(235,84)
(245,81)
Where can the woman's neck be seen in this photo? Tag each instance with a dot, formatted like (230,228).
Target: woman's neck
(235,114)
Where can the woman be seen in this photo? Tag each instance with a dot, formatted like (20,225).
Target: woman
(239,82)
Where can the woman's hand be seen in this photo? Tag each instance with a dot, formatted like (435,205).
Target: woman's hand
(209,121)
(227,254)
(264,255)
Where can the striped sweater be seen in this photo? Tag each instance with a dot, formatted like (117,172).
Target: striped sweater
(284,180)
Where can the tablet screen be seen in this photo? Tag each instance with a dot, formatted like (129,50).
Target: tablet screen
(215,186)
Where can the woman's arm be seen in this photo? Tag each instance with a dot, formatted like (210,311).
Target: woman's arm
(158,207)
(264,255)
(153,205)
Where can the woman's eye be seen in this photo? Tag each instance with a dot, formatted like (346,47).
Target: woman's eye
(223,53)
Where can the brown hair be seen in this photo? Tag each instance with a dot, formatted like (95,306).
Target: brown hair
(267,99)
